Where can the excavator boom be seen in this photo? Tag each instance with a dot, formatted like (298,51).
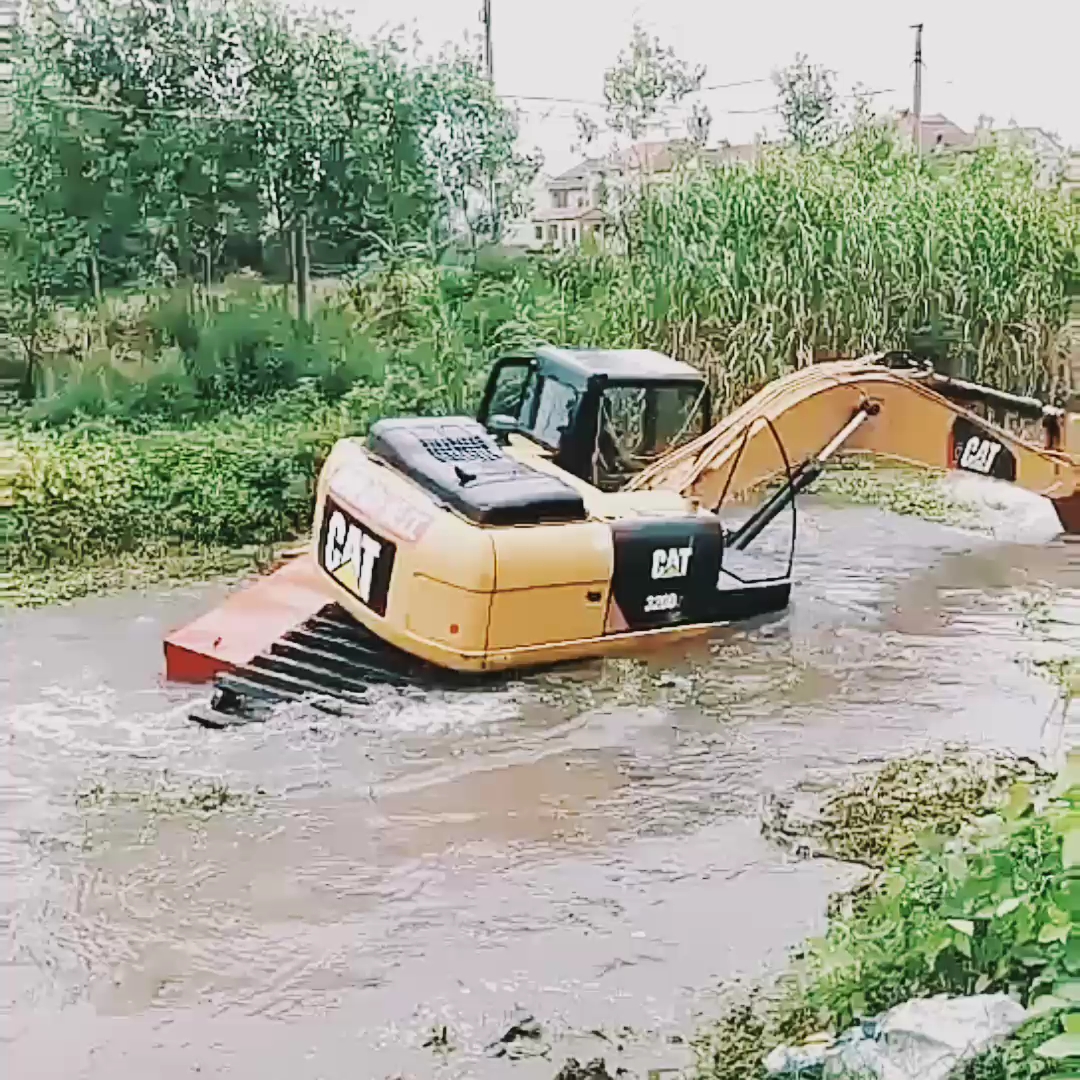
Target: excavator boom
(907,414)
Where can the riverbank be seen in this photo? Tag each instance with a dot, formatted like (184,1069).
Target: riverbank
(100,508)
(968,859)
(156,566)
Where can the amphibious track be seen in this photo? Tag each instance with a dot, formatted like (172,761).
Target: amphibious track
(331,661)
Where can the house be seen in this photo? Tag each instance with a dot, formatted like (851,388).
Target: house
(1051,158)
(573,207)
(941,135)
(936,132)
(579,203)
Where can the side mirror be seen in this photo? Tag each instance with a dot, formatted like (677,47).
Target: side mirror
(502,427)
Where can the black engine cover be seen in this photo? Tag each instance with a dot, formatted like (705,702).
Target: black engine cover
(458,462)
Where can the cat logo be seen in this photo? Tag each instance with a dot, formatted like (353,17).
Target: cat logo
(978,455)
(670,562)
(357,558)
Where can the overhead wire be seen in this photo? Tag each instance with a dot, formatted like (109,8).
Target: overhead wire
(551,101)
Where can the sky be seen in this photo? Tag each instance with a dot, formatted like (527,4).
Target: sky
(1012,62)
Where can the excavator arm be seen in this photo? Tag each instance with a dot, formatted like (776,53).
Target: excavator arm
(910,414)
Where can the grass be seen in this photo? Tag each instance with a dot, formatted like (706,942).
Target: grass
(149,566)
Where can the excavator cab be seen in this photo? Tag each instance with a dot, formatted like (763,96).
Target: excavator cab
(601,415)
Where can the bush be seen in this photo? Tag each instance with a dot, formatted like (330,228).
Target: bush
(992,909)
(181,360)
(100,489)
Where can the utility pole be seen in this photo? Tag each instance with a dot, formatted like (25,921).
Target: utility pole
(917,104)
(489,56)
(489,68)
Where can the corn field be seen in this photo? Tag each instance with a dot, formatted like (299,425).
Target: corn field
(745,272)
(862,247)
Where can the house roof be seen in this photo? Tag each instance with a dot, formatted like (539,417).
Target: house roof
(653,157)
(936,130)
(581,171)
(570,213)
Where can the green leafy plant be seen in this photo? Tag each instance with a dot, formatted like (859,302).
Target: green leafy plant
(989,908)
(994,909)
(646,77)
(807,101)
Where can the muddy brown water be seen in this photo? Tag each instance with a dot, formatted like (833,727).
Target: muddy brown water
(583,846)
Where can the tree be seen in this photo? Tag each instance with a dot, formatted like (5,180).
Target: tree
(588,130)
(471,146)
(807,101)
(698,124)
(148,130)
(646,78)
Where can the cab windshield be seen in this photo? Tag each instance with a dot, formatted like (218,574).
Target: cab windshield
(641,424)
(540,406)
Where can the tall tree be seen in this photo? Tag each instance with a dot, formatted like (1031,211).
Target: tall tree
(472,142)
(807,101)
(646,78)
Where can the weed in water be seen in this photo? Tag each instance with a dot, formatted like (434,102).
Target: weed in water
(880,818)
(165,798)
(915,492)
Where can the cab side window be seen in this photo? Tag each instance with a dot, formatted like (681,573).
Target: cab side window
(555,404)
(511,386)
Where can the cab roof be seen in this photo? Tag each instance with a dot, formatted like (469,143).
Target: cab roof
(629,365)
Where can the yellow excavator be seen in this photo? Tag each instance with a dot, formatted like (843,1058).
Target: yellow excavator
(591,507)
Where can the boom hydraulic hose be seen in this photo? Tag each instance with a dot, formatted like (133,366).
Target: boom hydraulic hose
(804,476)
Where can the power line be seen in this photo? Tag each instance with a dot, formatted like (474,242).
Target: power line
(593,104)
(555,100)
(123,109)
(731,85)
(603,104)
